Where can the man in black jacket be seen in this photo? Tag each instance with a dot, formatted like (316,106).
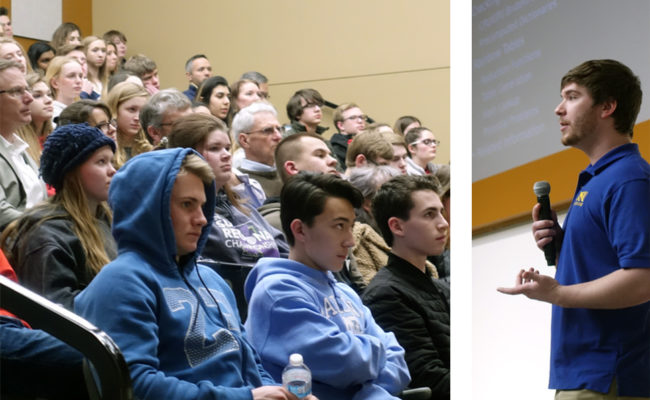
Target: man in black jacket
(403,296)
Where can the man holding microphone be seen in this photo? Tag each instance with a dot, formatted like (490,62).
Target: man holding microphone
(600,332)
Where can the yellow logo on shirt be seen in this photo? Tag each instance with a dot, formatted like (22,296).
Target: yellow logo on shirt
(580,199)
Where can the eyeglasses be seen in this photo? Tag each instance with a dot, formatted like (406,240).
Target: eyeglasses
(17,92)
(428,142)
(104,126)
(270,130)
(362,117)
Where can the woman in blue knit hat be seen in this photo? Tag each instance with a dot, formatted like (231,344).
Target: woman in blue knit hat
(58,246)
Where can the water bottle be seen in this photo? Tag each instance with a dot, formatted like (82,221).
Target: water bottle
(296,377)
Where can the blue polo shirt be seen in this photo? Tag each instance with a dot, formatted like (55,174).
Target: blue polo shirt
(607,228)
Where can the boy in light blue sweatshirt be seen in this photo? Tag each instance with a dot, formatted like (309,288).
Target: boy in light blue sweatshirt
(296,305)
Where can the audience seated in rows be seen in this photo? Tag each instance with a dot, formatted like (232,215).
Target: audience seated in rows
(239,234)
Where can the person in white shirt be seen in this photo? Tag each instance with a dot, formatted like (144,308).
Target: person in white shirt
(20,186)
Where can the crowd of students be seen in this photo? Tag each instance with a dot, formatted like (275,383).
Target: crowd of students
(114,191)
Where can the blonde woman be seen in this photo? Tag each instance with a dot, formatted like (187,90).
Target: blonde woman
(12,50)
(35,133)
(95,51)
(65,77)
(125,101)
(58,246)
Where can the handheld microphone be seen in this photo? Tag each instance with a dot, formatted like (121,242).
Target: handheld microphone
(542,189)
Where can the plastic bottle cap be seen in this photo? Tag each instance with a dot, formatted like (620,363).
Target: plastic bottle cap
(295,359)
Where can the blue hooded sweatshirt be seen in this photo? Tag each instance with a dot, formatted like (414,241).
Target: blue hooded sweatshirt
(176,322)
(293,308)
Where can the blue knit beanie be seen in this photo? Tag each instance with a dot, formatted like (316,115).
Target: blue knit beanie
(69,146)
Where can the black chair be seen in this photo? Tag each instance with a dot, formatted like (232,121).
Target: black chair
(421,393)
(235,275)
(108,365)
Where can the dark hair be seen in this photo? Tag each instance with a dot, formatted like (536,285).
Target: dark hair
(303,197)
(36,50)
(394,200)
(294,108)
(4,11)
(610,80)
(80,111)
(403,122)
(414,134)
(208,85)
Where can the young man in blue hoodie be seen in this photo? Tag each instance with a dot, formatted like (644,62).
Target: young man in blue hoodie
(296,305)
(175,321)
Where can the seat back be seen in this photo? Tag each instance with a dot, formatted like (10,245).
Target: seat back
(107,360)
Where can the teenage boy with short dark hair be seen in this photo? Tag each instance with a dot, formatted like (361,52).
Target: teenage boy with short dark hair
(296,305)
(403,296)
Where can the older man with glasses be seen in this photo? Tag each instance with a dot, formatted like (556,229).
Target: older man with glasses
(256,129)
(20,186)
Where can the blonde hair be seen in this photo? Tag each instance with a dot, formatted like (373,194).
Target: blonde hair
(6,40)
(195,165)
(28,132)
(120,93)
(54,70)
(102,74)
(74,203)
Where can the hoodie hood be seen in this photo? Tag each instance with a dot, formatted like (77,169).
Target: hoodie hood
(140,197)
